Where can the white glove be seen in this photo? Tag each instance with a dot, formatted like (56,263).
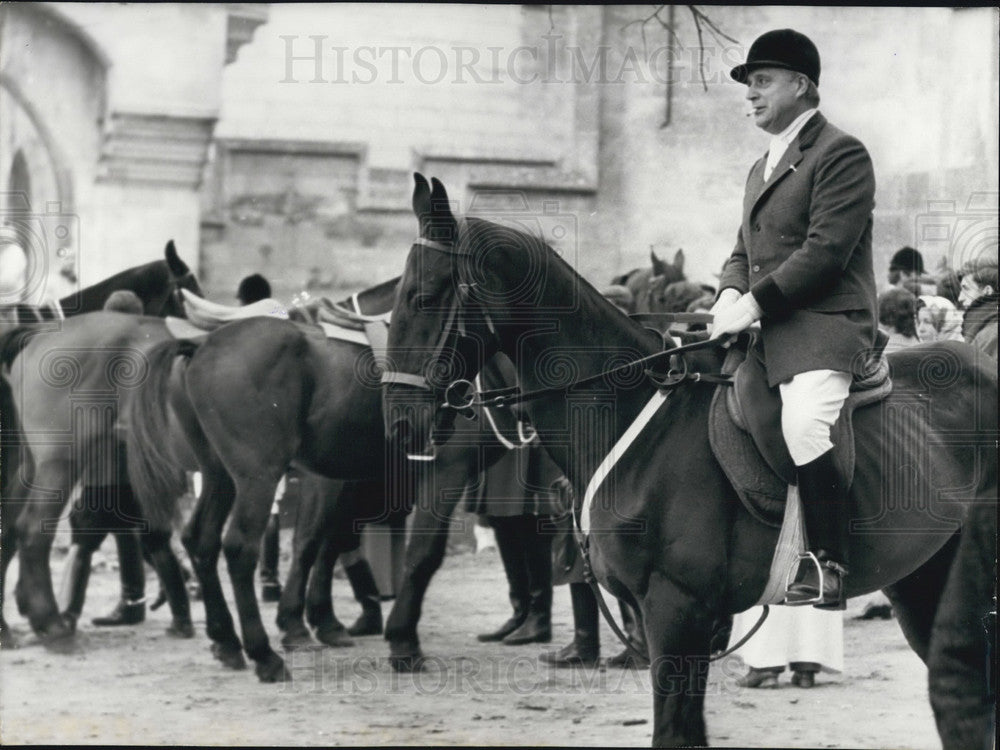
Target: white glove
(737,316)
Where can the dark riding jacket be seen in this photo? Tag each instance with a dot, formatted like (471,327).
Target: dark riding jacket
(804,248)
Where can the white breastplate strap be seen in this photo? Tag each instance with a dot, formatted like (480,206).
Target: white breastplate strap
(637,426)
(525,439)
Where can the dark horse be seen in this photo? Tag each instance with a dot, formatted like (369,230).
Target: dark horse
(648,285)
(240,407)
(256,396)
(673,535)
(25,482)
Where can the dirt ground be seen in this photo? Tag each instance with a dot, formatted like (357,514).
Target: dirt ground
(136,685)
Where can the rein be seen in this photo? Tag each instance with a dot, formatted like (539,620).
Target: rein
(510,395)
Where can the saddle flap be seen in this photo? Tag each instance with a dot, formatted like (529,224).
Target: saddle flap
(758,407)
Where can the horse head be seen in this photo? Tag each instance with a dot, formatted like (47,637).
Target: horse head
(441,331)
(168,300)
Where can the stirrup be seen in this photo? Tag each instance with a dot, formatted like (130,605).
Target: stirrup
(818,599)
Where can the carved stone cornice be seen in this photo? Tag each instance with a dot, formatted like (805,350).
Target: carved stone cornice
(155,149)
(242,21)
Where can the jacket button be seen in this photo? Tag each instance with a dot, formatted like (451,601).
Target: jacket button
(756,226)
(756,269)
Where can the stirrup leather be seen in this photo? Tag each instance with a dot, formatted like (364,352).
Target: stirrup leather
(811,556)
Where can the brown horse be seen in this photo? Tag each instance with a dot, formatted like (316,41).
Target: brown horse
(158,286)
(68,384)
(668,531)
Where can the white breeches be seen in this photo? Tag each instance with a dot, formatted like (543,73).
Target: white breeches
(810,404)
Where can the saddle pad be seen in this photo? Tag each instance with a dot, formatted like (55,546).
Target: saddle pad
(340,333)
(207,314)
(791,543)
(180,328)
(760,480)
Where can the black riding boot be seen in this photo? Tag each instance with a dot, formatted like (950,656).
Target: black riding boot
(511,545)
(366,594)
(825,511)
(537,626)
(636,637)
(77,576)
(270,586)
(131,608)
(585,648)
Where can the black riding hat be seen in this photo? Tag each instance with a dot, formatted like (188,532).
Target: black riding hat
(782,48)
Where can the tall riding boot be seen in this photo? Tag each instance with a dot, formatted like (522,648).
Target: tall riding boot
(636,637)
(585,648)
(511,545)
(537,626)
(825,510)
(366,594)
(270,586)
(75,581)
(131,608)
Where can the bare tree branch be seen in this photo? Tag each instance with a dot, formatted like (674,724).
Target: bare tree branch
(699,17)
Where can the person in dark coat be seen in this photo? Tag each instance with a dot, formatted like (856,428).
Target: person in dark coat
(979,296)
(517,495)
(803,267)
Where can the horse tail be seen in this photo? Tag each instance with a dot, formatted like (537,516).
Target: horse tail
(157,476)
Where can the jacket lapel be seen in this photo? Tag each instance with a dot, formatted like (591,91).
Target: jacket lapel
(792,156)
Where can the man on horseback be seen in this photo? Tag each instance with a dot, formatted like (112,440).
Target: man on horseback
(802,266)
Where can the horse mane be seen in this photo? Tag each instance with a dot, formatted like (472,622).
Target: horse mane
(520,240)
(146,281)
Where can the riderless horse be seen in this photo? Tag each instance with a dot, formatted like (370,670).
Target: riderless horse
(255,396)
(43,363)
(666,528)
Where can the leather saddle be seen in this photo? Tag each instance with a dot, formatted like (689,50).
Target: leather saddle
(745,427)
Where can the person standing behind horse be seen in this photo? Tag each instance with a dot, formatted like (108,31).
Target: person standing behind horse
(802,266)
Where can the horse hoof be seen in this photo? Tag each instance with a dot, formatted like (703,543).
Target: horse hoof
(273,669)
(229,656)
(335,637)
(406,657)
(181,629)
(7,640)
(56,631)
(406,664)
(299,641)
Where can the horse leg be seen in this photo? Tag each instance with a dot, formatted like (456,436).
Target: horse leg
(319,598)
(437,497)
(309,524)
(36,528)
(915,598)
(202,540)
(241,546)
(157,545)
(678,632)
(8,547)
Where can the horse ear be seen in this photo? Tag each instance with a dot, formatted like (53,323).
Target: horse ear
(659,267)
(446,228)
(177,266)
(679,260)
(421,196)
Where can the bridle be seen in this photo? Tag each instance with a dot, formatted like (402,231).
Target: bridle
(455,321)
(175,292)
